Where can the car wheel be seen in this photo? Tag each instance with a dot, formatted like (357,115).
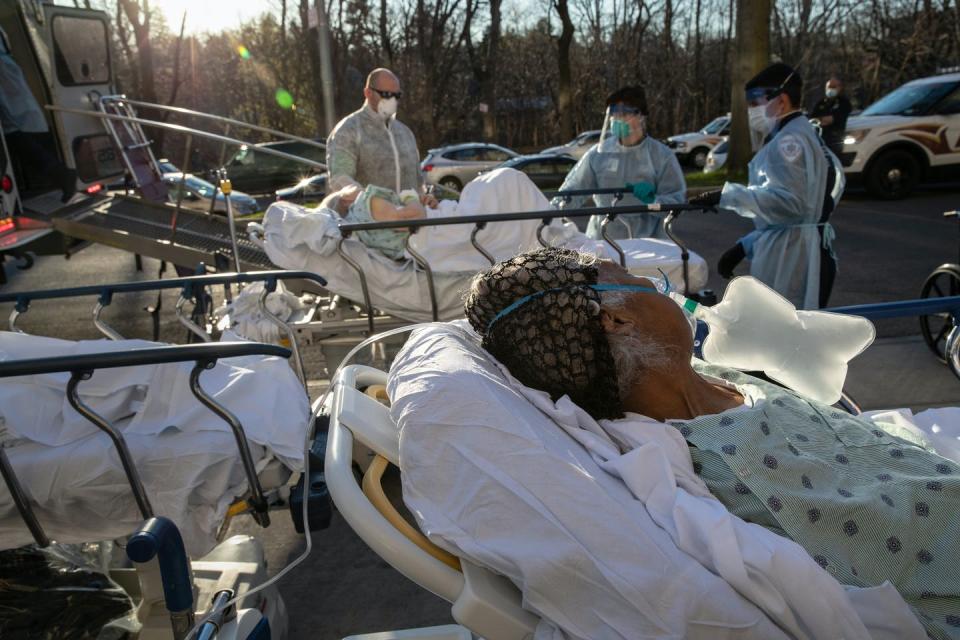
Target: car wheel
(893,175)
(698,157)
(451,183)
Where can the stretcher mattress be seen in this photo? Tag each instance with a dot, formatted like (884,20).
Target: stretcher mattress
(187,456)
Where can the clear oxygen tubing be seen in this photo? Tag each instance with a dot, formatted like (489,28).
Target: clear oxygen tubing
(308,429)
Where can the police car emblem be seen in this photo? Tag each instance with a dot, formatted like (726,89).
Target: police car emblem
(790,147)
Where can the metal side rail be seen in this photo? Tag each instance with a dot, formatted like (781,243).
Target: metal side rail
(480,221)
(191,288)
(83,367)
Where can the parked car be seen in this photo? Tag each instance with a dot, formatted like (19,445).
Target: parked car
(910,135)
(717,157)
(576,147)
(692,148)
(545,170)
(197,193)
(312,188)
(456,165)
(264,173)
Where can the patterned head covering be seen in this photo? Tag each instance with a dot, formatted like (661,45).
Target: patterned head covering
(539,316)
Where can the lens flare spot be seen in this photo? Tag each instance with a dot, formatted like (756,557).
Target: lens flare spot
(284,99)
(243,52)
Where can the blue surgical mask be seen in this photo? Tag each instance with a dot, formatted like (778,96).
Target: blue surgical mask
(832,93)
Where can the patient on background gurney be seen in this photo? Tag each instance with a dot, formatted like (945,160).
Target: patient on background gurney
(377,204)
(826,524)
(186,455)
(299,238)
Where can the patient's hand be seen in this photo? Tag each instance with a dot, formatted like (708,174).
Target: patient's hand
(384,210)
(428,200)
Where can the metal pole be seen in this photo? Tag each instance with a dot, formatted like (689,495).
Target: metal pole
(133,477)
(21,501)
(185,167)
(326,68)
(226,188)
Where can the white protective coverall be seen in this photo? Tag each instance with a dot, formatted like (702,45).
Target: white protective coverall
(784,196)
(366,149)
(610,164)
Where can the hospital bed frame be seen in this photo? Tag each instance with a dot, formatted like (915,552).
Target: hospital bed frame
(363,434)
(191,289)
(546,217)
(156,549)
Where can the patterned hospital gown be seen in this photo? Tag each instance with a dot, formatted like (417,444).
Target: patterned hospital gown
(390,242)
(867,505)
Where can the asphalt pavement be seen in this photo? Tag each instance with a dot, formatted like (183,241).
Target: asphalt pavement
(886,250)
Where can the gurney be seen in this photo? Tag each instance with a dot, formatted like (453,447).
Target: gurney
(402,292)
(364,432)
(72,486)
(163,571)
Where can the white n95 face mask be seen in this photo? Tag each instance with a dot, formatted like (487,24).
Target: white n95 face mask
(759,120)
(387,107)
(832,93)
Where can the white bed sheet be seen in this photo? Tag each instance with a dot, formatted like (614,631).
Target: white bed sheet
(186,454)
(306,239)
(600,544)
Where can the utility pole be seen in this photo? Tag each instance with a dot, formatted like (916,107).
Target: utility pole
(326,67)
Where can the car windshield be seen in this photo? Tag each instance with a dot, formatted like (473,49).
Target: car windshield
(910,100)
(716,126)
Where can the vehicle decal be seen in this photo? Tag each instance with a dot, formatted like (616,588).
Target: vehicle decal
(931,136)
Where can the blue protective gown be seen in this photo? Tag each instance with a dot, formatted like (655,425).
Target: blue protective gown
(610,164)
(19,110)
(784,197)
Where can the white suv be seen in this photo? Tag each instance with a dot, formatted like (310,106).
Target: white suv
(692,148)
(909,135)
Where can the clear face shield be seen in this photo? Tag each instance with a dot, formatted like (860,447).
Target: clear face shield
(623,126)
(761,123)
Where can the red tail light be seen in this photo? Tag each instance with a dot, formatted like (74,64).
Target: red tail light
(94,188)
(6,224)
(6,183)
(428,167)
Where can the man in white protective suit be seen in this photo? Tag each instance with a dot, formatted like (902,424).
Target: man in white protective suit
(794,185)
(371,147)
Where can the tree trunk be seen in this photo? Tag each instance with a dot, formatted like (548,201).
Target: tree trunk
(752,55)
(488,85)
(565,89)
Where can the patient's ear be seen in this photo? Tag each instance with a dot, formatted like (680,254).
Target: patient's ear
(613,321)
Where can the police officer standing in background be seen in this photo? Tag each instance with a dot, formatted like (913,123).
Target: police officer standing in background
(833,112)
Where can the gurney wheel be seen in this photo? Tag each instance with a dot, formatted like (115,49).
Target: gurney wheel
(944,281)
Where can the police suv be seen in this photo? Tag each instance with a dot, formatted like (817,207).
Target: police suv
(908,136)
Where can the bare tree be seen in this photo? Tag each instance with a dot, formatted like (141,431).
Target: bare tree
(565,84)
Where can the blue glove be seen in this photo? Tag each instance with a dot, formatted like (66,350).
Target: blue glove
(643,191)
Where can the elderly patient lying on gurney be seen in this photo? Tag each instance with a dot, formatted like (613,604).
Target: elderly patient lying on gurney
(186,455)
(870,507)
(298,238)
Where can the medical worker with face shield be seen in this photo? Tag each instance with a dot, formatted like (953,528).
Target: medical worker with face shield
(795,182)
(627,156)
(371,147)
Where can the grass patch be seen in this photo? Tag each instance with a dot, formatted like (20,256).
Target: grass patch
(714,178)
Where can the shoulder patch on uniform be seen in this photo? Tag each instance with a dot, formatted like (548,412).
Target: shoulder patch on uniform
(790,147)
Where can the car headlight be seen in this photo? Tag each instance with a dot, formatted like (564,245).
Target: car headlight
(855,137)
(681,145)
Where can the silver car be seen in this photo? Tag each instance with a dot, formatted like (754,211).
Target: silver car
(577,147)
(456,165)
(197,193)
